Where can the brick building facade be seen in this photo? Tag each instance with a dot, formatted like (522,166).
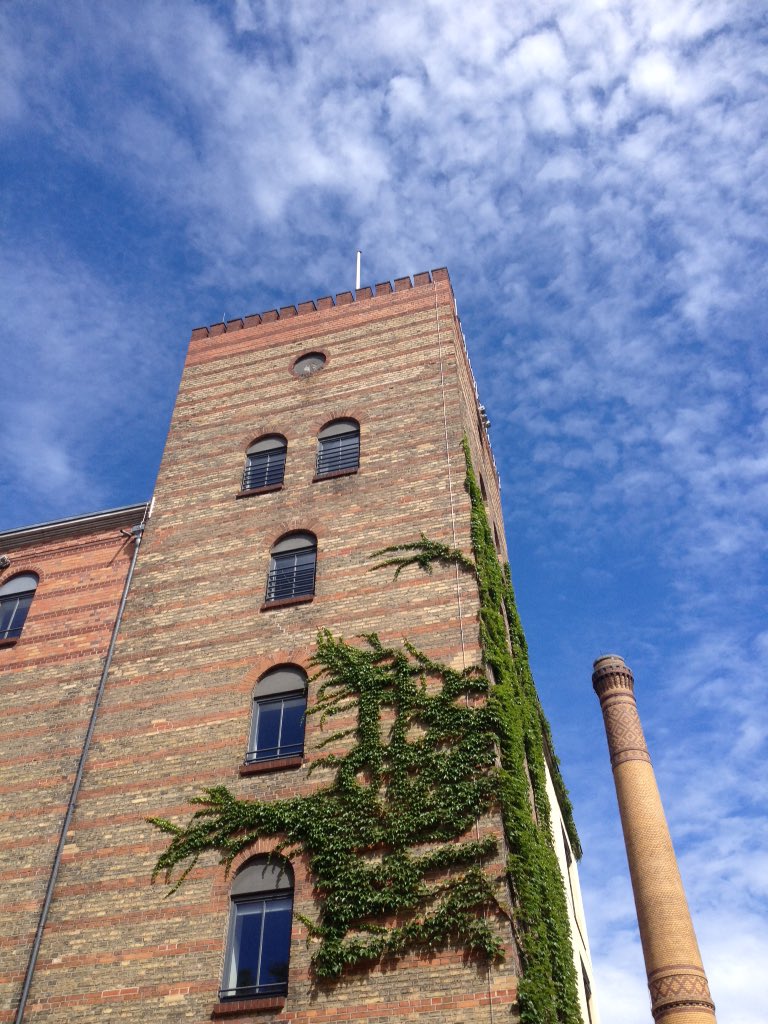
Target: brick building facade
(50,669)
(217,602)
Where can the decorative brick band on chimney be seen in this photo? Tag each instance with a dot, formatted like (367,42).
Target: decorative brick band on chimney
(676,978)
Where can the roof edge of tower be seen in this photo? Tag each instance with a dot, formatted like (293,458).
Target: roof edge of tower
(364,294)
(89,522)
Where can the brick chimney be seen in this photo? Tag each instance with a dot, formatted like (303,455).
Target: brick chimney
(676,978)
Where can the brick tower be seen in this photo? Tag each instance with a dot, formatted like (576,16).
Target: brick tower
(302,441)
(676,978)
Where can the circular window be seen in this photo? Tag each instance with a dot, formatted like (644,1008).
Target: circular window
(309,363)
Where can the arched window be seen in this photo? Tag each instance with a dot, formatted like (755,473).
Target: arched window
(338,448)
(292,568)
(265,463)
(15,598)
(259,942)
(277,724)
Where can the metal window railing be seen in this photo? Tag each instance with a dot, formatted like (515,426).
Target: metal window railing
(263,470)
(338,453)
(271,753)
(284,582)
(275,988)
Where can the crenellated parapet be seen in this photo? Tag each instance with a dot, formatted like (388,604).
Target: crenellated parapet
(383,288)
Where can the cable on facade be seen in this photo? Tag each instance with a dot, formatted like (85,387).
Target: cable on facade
(450,475)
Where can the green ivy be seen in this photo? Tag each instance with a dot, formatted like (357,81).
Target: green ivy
(548,989)
(425,553)
(388,800)
(386,839)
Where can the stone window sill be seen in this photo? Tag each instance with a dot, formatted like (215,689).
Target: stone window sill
(274,764)
(255,1004)
(259,490)
(287,602)
(333,476)
(10,641)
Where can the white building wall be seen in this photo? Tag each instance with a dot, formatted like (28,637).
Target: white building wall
(581,954)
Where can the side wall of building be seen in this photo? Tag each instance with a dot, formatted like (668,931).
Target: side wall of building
(582,957)
(48,680)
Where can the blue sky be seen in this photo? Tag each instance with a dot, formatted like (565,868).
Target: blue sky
(594,176)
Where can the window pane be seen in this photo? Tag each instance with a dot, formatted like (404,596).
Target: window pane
(279,682)
(298,540)
(338,453)
(264,469)
(13,614)
(7,612)
(292,734)
(246,945)
(267,729)
(292,574)
(302,558)
(24,583)
(278,728)
(276,944)
(257,960)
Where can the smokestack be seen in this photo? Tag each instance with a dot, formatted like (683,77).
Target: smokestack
(676,978)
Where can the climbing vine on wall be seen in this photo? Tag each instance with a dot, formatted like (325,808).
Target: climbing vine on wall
(387,839)
(548,990)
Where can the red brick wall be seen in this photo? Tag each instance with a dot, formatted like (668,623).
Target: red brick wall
(176,711)
(47,684)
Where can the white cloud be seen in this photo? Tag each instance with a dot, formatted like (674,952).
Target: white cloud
(405,98)
(536,57)
(561,168)
(547,112)
(655,77)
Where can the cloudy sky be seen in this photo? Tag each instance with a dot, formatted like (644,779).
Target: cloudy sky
(594,176)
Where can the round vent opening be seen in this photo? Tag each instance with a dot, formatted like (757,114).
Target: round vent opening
(308,364)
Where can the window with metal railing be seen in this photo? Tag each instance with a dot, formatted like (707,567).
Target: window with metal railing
(292,568)
(265,463)
(259,941)
(15,599)
(277,723)
(338,448)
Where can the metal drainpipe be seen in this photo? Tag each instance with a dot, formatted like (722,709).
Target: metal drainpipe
(136,533)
